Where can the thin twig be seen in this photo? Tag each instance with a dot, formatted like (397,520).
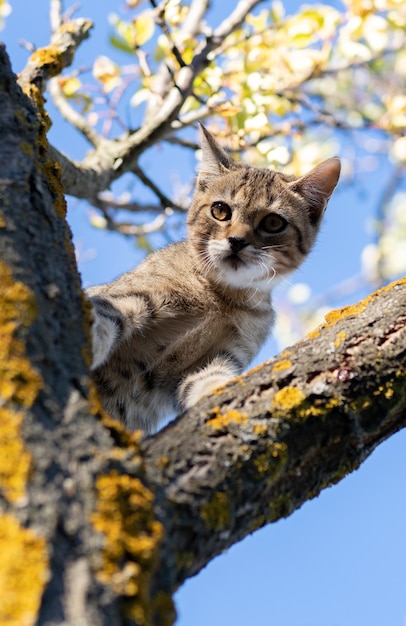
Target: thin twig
(131,230)
(70,114)
(106,201)
(159,119)
(124,152)
(183,143)
(165,29)
(55,15)
(165,201)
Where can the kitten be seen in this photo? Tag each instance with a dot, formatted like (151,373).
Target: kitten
(193,315)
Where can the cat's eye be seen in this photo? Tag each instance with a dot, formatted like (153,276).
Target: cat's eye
(221,211)
(273,224)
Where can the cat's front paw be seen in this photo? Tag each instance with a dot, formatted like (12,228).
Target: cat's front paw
(200,388)
(204,382)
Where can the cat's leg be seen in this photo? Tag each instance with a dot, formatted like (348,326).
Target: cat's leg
(201,383)
(106,328)
(115,318)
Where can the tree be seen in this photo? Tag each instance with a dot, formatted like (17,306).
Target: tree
(97,525)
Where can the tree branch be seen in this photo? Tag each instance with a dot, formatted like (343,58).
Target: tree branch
(192,25)
(113,158)
(70,114)
(107,201)
(165,201)
(261,446)
(85,503)
(55,15)
(45,63)
(156,126)
(164,26)
(134,230)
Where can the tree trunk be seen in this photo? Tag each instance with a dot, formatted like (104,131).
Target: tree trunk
(98,527)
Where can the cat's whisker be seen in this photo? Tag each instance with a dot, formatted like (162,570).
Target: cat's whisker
(287,280)
(274,247)
(252,297)
(274,274)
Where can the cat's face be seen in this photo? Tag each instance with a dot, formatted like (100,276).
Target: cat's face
(250,225)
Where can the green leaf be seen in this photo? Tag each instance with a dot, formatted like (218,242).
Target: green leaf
(120,44)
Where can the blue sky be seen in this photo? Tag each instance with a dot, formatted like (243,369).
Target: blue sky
(341,559)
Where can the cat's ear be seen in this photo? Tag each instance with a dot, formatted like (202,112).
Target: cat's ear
(215,160)
(317,186)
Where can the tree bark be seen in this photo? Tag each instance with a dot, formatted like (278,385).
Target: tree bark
(99,527)
(270,440)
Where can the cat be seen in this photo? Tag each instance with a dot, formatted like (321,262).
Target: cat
(192,315)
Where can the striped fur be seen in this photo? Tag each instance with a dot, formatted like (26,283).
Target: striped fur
(194,314)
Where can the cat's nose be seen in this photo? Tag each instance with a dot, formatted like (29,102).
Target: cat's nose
(237,243)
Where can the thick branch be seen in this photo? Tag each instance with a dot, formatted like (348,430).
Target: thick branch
(192,25)
(259,448)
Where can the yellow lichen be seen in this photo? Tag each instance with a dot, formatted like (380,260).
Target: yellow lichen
(353,309)
(260,429)
(288,397)
(282,365)
(50,57)
(279,449)
(50,168)
(18,380)
(359,307)
(217,512)
(279,507)
(53,171)
(339,339)
(23,573)
(257,368)
(165,608)
(125,517)
(15,461)
(386,390)
(320,407)
(221,421)
(257,523)
(163,461)
(261,463)
(27,148)
(272,461)
(361,404)
(184,560)
(293,402)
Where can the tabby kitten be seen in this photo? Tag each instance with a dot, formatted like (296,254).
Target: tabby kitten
(193,315)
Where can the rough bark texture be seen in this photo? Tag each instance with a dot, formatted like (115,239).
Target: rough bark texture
(53,513)
(271,440)
(97,528)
